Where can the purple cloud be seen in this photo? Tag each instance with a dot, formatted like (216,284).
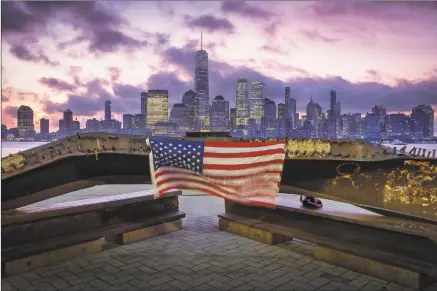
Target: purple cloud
(385,10)
(23,52)
(271,49)
(95,24)
(247,10)
(355,97)
(11,111)
(57,84)
(210,23)
(314,34)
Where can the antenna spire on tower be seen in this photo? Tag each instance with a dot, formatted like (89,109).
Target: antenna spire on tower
(201,39)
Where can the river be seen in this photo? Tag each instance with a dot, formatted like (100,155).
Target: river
(14,147)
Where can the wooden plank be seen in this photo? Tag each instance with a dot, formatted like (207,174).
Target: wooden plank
(260,235)
(26,264)
(389,272)
(145,233)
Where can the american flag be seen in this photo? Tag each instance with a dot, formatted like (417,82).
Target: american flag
(244,172)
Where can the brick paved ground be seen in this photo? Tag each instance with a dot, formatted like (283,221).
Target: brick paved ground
(199,257)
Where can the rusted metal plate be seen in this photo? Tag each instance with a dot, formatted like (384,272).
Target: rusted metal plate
(37,211)
(71,174)
(355,172)
(400,186)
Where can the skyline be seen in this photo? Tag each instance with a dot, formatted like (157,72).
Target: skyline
(307,51)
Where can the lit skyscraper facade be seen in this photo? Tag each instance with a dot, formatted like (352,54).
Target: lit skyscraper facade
(422,117)
(351,125)
(397,125)
(233,118)
(25,126)
(220,114)
(157,107)
(188,100)
(281,111)
(107,110)
(201,84)
(332,115)
(256,102)
(143,103)
(242,104)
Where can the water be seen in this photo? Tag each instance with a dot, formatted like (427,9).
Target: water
(15,147)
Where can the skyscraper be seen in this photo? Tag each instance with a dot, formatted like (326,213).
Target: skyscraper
(242,104)
(423,121)
(256,102)
(44,126)
(332,116)
(25,126)
(68,121)
(178,115)
(201,84)
(61,127)
(108,110)
(269,108)
(188,100)
(157,107)
(76,125)
(397,125)
(269,121)
(233,118)
(143,103)
(314,118)
(281,111)
(128,121)
(220,114)
(290,111)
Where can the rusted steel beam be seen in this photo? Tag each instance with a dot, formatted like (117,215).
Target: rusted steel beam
(356,236)
(38,229)
(355,172)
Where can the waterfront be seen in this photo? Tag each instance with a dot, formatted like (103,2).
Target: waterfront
(8,148)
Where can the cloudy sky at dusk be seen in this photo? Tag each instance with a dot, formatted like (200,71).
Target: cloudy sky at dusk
(76,55)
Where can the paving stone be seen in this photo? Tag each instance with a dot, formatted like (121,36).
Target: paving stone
(219,285)
(6,286)
(318,282)
(199,257)
(335,278)
(293,285)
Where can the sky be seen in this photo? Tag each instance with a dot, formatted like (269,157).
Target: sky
(76,55)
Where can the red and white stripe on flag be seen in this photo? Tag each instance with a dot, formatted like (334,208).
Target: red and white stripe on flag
(244,172)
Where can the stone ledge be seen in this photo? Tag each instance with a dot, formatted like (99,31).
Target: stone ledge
(145,233)
(408,278)
(252,233)
(26,264)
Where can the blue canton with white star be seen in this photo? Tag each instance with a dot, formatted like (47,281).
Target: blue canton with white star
(177,153)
